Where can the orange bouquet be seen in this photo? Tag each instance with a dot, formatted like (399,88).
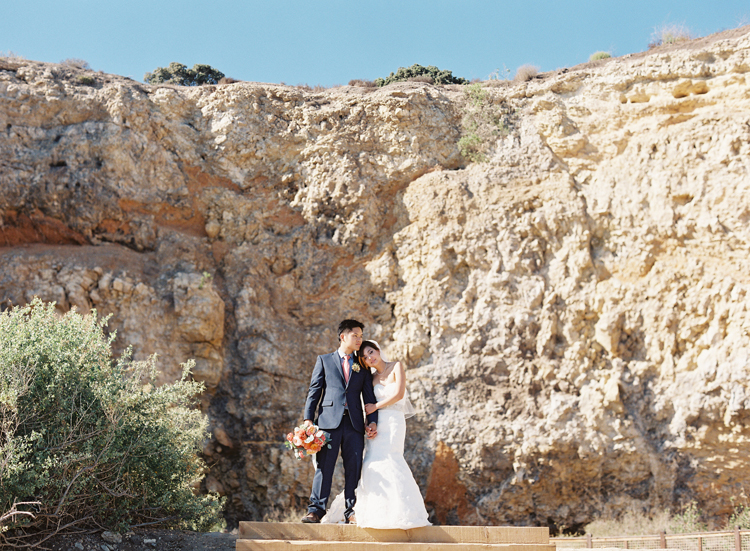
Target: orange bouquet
(306,440)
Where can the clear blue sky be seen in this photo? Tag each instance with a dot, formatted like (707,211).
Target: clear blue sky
(332,42)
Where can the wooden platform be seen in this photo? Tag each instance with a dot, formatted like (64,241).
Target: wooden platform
(339,537)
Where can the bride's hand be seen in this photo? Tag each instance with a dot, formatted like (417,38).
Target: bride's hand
(371,408)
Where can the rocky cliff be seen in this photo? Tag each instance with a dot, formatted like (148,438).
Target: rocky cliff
(572,311)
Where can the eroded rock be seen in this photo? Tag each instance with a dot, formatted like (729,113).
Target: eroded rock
(572,312)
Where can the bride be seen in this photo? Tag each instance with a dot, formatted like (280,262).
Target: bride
(387,494)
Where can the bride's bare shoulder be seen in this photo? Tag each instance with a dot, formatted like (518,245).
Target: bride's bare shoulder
(389,375)
(398,365)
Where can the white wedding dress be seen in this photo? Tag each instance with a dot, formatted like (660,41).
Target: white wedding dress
(387,494)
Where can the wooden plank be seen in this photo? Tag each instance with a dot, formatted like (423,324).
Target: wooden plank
(431,534)
(298,545)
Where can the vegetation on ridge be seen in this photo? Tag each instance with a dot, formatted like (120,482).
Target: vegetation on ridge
(418,73)
(670,34)
(87,441)
(179,74)
(526,72)
(483,122)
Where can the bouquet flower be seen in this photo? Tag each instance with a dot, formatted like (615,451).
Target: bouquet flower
(306,440)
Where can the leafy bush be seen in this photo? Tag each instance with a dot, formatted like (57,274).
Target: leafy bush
(407,73)
(596,56)
(687,521)
(740,517)
(90,438)
(470,147)
(86,80)
(482,123)
(526,72)
(179,74)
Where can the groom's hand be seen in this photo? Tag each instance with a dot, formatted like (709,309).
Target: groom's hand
(371,430)
(307,422)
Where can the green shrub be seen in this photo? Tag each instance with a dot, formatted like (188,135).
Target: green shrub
(482,123)
(404,74)
(740,517)
(86,80)
(90,438)
(687,521)
(179,74)
(596,56)
(470,147)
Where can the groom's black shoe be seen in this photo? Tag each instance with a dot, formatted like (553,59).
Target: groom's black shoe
(351,520)
(311,518)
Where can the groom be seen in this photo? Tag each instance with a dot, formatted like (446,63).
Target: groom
(339,381)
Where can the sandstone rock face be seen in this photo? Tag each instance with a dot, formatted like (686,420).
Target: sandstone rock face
(572,311)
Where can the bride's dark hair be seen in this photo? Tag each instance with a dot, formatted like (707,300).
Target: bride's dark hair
(360,357)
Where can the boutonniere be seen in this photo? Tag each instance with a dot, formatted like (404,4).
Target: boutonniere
(355,366)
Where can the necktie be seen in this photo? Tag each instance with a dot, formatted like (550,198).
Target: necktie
(345,366)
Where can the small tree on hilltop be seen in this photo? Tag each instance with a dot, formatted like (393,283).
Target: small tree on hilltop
(179,74)
(418,72)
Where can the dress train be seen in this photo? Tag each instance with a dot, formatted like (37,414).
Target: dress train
(387,495)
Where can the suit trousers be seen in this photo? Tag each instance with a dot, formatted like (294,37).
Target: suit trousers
(352,444)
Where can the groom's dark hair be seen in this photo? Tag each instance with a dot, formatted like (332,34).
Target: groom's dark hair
(347,325)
